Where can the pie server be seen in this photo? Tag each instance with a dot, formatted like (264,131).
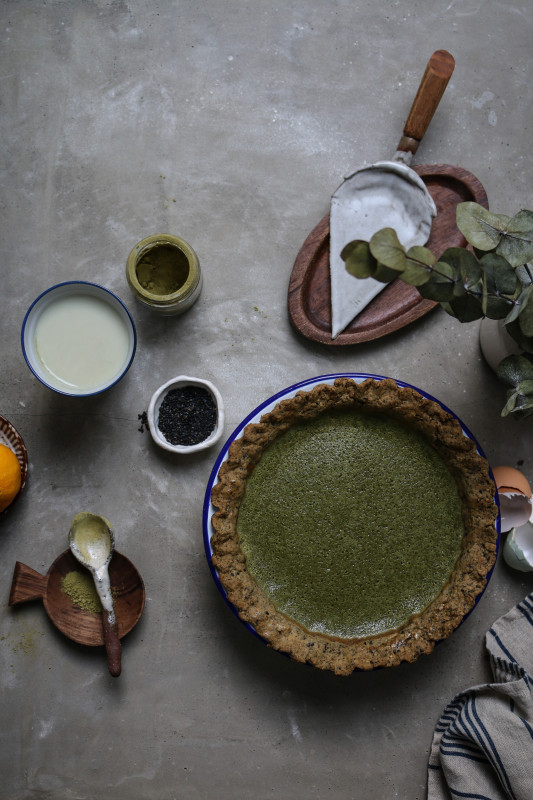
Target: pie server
(387,194)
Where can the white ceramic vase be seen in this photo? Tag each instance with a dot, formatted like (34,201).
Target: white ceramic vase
(495,343)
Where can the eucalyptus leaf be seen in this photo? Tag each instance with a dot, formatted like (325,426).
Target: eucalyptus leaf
(481,228)
(359,260)
(440,285)
(515,369)
(524,342)
(525,388)
(517,373)
(516,243)
(500,286)
(466,268)
(418,266)
(471,272)
(422,254)
(524,273)
(384,274)
(519,304)
(521,407)
(499,274)
(520,400)
(510,405)
(466,307)
(525,320)
(388,250)
(349,248)
(494,307)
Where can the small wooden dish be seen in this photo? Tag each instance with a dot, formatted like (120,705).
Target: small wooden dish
(79,625)
(12,439)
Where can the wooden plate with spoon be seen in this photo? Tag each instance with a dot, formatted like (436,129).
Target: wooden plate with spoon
(80,625)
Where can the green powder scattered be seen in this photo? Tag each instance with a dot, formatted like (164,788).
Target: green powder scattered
(24,640)
(81,590)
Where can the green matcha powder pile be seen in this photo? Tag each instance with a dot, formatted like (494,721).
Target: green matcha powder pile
(80,588)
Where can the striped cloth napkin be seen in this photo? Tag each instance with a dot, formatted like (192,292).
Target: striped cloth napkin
(483,744)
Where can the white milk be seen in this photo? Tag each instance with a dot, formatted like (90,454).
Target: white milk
(82,343)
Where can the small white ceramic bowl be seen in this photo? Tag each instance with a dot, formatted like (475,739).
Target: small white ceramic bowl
(78,338)
(155,404)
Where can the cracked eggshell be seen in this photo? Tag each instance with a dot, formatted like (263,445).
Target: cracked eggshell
(509,478)
(515,509)
(514,493)
(518,548)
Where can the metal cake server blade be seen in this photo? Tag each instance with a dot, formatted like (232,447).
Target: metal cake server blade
(385,194)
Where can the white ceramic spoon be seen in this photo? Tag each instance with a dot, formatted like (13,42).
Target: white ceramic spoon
(92,543)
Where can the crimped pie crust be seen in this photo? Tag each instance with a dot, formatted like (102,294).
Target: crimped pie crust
(458,596)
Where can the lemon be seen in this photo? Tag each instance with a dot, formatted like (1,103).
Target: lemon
(10,476)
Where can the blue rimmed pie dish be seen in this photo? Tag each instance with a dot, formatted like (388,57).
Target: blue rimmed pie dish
(351,522)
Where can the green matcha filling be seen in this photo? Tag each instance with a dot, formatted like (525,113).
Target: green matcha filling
(350,523)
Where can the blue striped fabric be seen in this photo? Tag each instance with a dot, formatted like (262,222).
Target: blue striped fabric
(482,747)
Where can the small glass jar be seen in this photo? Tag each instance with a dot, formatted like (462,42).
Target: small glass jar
(164,273)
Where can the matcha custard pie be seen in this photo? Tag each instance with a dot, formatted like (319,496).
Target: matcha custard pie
(353,523)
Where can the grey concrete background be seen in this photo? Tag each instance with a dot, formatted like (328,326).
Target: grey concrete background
(230,124)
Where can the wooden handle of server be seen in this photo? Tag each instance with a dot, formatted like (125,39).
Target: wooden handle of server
(434,81)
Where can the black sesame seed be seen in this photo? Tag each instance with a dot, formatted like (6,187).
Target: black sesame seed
(187,415)
(143,418)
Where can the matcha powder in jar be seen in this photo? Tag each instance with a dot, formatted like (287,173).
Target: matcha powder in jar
(164,273)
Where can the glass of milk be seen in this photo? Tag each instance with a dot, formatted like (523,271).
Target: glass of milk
(78,338)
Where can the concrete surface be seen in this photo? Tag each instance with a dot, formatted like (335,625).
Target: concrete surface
(229,124)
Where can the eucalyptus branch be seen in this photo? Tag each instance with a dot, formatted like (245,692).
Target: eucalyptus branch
(493,279)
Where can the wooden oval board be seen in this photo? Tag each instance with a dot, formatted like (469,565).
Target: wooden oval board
(309,296)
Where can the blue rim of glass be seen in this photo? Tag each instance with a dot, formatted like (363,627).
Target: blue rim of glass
(78,283)
(270,402)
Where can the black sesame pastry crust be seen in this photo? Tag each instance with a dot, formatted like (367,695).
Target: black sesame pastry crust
(420,634)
